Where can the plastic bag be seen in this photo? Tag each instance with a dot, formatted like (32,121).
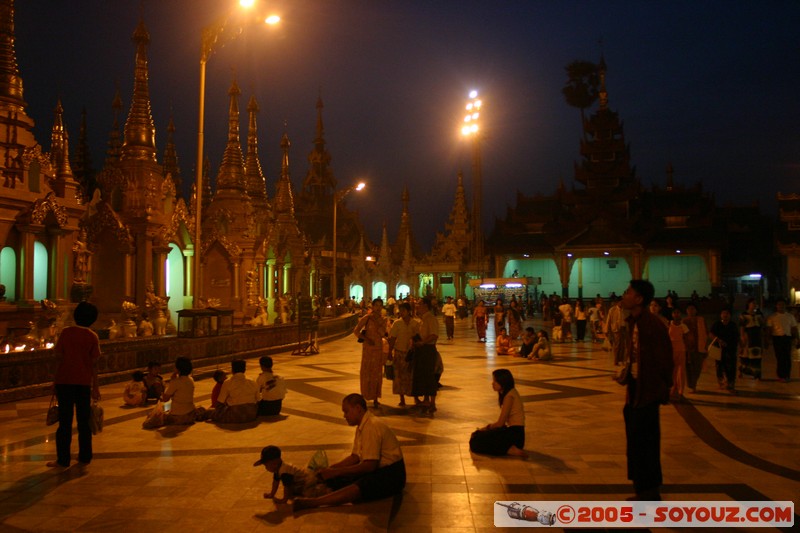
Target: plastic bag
(96,418)
(155,418)
(318,461)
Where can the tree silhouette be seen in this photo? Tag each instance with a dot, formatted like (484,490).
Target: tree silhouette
(581,90)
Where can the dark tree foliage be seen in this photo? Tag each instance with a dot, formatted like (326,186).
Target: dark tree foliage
(582,86)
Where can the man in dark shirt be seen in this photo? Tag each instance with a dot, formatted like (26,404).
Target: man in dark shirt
(650,352)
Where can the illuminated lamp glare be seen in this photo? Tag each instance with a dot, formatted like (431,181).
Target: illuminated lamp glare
(513,285)
(488,286)
(469,107)
(754,276)
(605,253)
(369,258)
(473,128)
(272,20)
(247,3)
(465,130)
(475,116)
(677,251)
(569,255)
(526,255)
(360,186)
(473,94)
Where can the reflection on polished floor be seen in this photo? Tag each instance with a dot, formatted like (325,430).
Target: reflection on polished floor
(200,478)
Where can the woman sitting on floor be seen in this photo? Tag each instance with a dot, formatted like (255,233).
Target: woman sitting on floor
(180,390)
(541,350)
(506,436)
(503,343)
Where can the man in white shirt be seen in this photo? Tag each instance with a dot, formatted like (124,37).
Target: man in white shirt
(449,312)
(271,389)
(374,470)
(783,330)
(238,396)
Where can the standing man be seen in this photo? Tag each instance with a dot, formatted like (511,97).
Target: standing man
(783,329)
(614,331)
(374,470)
(426,357)
(75,384)
(449,312)
(650,351)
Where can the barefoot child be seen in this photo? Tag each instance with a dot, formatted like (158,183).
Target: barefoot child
(296,481)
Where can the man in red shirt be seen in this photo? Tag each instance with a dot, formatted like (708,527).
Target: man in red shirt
(75,382)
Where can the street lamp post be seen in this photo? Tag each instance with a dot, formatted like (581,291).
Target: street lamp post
(211,35)
(471,129)
(338,197)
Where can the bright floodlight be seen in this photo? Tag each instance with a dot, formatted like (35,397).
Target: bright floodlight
(272,19)
(473,94)
(247,4)
(361,186)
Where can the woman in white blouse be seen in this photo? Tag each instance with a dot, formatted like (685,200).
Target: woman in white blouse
(506,436)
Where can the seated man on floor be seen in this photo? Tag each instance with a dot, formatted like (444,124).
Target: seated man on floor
(374,470)
(238,397)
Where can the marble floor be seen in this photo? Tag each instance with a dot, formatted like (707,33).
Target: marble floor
(715,446)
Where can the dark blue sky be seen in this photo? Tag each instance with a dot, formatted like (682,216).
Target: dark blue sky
(709,86)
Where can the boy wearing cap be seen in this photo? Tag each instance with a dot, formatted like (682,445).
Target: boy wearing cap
(296,481)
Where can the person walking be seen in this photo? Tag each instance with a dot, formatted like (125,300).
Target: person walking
(783,330)
(648,345)
(480,315)
(426,358)
(449,312)
(751,324)
(725,334)
(401,334)
(696,341)
(371,330)
(77,351)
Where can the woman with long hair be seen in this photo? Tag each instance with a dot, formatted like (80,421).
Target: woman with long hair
(506,436)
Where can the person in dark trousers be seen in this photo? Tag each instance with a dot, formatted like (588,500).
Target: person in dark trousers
(650,351)
(75,382)
(375,470)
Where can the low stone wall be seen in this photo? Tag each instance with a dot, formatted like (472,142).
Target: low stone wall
(29,374)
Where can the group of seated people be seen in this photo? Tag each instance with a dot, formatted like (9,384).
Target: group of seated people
(535,346)
(236,399)
(375,469)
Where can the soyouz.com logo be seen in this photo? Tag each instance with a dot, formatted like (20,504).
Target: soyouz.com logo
(644,514)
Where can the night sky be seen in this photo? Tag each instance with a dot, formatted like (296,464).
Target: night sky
(709,86)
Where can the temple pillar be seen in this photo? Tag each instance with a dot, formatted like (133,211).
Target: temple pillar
(160,271)
(57,282)
(270,290)
(130,272)
(188,279)
(287,278)
(25,266)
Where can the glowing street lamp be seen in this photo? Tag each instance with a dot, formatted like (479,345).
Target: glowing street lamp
(338,197)
(471,129)
(211,35)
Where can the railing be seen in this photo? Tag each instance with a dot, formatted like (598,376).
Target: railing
(29,374)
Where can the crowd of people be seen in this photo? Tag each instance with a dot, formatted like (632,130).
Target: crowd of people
(661,350)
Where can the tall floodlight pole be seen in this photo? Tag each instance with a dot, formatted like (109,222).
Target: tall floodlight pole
(471,129)
(211,35)
(338,197)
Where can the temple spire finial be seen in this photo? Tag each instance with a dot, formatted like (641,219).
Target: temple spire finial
(140,132)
